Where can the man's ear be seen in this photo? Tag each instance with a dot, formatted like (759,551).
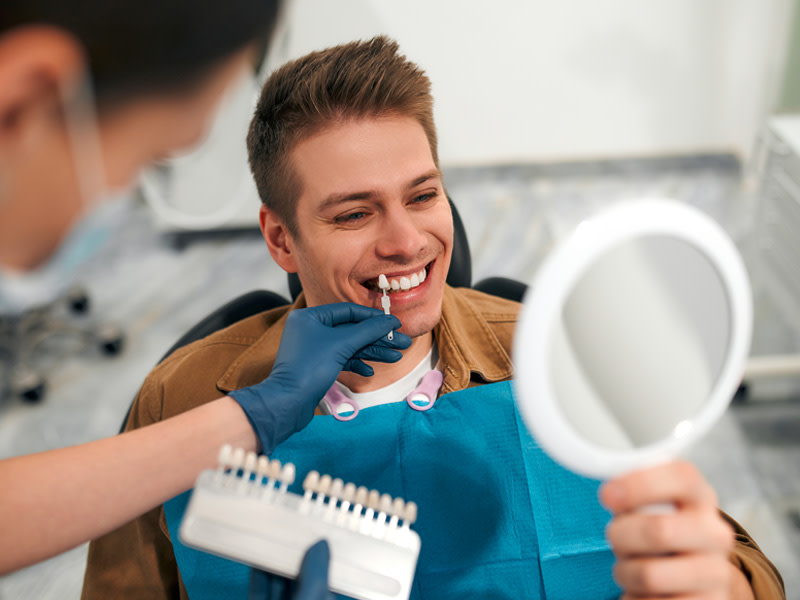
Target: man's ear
(38,65)
(280,242)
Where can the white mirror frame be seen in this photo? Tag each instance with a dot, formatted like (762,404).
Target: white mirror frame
(542,311)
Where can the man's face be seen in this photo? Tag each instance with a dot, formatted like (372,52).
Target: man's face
(373,203)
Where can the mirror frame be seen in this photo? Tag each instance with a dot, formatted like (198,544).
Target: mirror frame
(542,310)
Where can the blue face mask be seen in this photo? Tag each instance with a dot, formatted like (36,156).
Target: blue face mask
(21,290)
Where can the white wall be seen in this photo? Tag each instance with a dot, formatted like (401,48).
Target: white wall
(539,80)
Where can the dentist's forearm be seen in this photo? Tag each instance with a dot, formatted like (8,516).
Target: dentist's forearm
(53,501)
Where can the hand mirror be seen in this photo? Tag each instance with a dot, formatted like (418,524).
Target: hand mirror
(632,338)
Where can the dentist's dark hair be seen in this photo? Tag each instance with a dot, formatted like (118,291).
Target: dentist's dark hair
(149,46)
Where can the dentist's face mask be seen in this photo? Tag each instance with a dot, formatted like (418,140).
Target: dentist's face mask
(91,226)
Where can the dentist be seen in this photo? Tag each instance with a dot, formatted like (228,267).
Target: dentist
(90,92)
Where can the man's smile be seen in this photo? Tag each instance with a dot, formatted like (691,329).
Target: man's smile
(399,282)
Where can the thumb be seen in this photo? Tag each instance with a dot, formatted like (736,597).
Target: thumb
(312,584)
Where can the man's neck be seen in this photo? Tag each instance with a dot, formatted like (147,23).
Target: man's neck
(388,373)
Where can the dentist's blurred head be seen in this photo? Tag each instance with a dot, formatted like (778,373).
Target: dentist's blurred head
(91,92)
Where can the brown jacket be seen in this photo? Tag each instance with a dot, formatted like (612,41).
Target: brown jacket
(474,341)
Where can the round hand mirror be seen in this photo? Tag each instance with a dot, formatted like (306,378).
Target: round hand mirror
(632,338)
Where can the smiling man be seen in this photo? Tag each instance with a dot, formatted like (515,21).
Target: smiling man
(369,208)
(343,150)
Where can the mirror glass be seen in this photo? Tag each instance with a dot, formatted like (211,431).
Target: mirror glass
(632,338)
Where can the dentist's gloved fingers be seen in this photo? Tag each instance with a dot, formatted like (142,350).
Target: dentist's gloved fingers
(372,331)
(266,586)
(343,312)
(400,341)
(312,584)
(317,343)
(359,368)
(259,585)
(377,353)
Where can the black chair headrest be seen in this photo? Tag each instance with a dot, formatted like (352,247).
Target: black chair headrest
(460,273)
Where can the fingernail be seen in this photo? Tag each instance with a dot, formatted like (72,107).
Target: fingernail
(612,494)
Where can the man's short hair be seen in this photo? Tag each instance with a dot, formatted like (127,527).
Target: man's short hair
(361,79)
(149,46)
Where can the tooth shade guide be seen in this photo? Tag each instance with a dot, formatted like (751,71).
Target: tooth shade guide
(333,496)
(262,469)
(287,475)
(224,520)
(383,283)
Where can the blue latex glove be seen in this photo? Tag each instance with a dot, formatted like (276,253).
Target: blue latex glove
(311,584)
(317,344)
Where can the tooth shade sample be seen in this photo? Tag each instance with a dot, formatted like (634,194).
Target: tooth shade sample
(383,283)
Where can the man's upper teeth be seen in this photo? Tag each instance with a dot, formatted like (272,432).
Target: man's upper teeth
(403,283)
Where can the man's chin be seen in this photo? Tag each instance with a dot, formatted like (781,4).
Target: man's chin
(415,327)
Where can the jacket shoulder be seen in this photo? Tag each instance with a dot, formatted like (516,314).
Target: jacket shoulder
(492,308)
(189,375)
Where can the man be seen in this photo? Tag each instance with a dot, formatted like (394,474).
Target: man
(343,150)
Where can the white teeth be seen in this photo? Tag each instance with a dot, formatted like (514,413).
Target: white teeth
(404,283)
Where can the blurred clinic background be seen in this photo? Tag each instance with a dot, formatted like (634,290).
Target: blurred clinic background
(545,110)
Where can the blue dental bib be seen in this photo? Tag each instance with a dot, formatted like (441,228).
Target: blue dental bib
(497,517)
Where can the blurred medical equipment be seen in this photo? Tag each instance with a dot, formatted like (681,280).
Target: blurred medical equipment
(775,246)
(633,338)
(44,314)
(40,335)
(243,511)
(211,187)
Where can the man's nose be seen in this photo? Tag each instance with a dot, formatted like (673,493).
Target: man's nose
(402,237)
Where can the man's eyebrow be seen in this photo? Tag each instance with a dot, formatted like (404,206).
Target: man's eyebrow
(432,174)
(335,199)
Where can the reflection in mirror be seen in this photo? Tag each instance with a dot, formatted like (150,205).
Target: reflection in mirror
(641,342)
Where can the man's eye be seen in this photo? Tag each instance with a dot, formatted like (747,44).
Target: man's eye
(353,217)
(427,197)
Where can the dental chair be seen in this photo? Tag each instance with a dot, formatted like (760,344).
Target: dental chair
(251,303)
(32,339)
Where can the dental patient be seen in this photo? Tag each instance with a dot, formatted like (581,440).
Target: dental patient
(343,150)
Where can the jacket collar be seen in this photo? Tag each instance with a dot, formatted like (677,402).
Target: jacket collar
(255,363)
(467,345)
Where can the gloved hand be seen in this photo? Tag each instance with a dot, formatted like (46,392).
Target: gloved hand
(317,344)
(311,584)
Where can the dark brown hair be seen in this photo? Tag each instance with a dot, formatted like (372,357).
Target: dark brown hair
(350,81)
(149,46)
